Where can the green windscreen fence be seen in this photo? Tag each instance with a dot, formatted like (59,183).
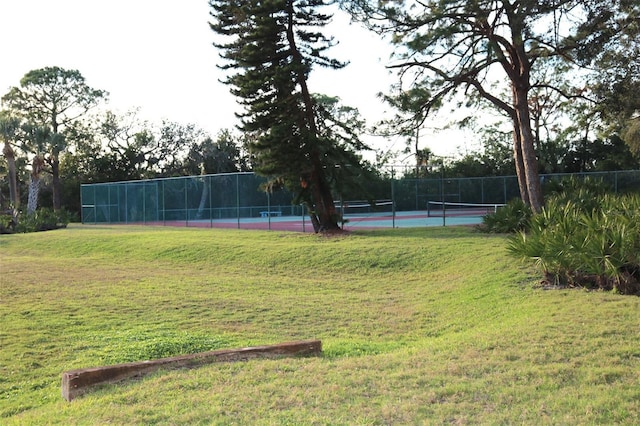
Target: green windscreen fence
(183,199)
(238,196)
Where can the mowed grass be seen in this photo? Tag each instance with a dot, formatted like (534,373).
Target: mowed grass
(419,326)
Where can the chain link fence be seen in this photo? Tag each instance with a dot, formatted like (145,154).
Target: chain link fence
(239,197)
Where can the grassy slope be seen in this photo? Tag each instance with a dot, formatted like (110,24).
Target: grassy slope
(434,325)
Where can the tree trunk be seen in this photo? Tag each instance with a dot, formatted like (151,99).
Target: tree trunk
(34,190)
(517,155)
(322,198)
(14,197)
(517,151)
(34,184)
(313,217)
(527,149)
(57,192)
(321,192)
(203,197)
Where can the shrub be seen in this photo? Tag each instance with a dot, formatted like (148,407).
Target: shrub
(585,193)
(7,222)
(510,218)
(43,220)
(594,244)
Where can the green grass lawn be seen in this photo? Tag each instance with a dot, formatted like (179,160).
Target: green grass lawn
(418,326)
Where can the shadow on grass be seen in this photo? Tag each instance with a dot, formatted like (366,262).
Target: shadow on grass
(449,232)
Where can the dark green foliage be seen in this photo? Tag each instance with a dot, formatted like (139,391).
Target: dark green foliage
(609,43)
(512,217)
(7,223)
(589,241)
(612,153)
(43,220)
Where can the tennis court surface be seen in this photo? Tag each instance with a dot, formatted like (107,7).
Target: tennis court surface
(354,221)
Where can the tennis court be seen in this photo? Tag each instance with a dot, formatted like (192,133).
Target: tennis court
(369,218)
(237,200)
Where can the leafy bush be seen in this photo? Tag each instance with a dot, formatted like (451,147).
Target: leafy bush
(592,243)
(512,217)
(43,220)
(7,223)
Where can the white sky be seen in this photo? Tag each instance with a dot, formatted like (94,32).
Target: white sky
(157,55)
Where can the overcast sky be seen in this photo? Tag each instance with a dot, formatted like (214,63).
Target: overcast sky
(157,55)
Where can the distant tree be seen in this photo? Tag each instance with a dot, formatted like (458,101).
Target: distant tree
(410,103)
(172,144)
(609,43)
(55,98)
(138,149)
(117,147)
(9,127)
(495,158)
(223,155)
(85,163)
(38,138)
(273,46)
(598,155)
(341,126)
(129,145)
(632,136)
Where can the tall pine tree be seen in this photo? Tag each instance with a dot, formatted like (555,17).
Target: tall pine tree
(272,45)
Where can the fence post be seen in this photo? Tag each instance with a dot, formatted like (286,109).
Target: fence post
(444,209)
(164,207)
(126,204)
(186,203)
(210,202)
(303,220)
(95,212)
(393,202)
(144,203)
(504,190)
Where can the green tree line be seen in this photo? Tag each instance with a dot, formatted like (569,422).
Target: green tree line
(55,138)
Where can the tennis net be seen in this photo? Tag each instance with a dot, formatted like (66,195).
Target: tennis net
(447,208)
(360,208)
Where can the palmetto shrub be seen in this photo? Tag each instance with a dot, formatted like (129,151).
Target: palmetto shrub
(515,215)
(512,217)
(585,240)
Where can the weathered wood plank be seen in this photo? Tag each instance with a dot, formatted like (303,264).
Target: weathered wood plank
(78,382)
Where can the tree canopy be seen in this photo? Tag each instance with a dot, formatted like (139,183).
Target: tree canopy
(451,48)
(609,44)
